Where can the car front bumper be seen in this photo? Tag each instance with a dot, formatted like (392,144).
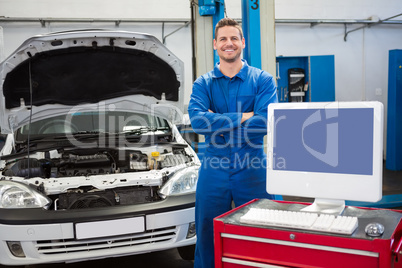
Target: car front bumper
(58,236)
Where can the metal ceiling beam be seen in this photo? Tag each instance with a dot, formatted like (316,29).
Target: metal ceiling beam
(369,25)
(328,21)
(117,22)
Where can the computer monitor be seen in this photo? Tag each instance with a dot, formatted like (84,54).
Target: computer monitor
(330,151)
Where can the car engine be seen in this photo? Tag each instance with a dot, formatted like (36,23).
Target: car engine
(47,170)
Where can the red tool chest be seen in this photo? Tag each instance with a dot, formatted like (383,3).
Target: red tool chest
(244,245)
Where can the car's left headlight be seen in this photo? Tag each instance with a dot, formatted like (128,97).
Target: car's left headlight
(19,195)
(182,182)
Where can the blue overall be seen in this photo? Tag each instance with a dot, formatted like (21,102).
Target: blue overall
(234,164)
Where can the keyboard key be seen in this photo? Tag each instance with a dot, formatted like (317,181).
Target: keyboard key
(301,220)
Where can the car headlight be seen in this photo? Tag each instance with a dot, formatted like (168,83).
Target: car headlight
(182,182)
(18,195)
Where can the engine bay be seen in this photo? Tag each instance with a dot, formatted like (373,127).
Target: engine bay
(88,178)
(86,162)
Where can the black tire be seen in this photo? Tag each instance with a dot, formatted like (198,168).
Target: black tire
(187,252)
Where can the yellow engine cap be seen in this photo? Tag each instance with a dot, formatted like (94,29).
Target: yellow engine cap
(155,154)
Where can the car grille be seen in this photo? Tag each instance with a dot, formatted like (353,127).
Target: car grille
(72,245)
(110,197)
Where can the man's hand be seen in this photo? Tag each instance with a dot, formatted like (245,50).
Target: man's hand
(246,116)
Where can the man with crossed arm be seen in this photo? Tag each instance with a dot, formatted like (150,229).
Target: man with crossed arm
(229,106)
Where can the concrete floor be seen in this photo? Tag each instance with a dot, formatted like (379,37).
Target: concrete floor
(392,182)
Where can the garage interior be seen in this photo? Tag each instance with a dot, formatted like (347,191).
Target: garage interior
(347,51)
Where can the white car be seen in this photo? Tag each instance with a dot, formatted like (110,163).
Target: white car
(93,165)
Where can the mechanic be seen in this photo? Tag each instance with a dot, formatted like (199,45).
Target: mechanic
(229,106)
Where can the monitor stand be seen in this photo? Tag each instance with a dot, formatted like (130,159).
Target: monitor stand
(326,206)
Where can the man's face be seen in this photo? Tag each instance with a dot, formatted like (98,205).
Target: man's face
(229,44)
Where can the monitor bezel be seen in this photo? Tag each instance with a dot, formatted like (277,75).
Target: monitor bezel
(364,188)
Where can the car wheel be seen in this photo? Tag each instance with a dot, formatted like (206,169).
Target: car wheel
(187,253)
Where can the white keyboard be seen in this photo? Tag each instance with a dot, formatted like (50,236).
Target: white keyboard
(301,220)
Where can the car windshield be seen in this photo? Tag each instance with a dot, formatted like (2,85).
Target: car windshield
(94,122)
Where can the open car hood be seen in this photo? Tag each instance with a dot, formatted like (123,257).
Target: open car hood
(76,71)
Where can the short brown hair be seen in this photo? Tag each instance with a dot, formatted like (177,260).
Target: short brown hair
(228,22)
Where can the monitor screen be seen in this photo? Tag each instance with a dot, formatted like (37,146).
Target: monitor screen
(326,150)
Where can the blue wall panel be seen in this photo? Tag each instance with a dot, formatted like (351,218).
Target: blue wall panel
(322,85)
(394,120)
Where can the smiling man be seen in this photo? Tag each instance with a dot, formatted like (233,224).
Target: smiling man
(229,106)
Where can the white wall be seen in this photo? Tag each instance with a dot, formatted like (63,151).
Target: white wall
(361,63)
(96,8)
